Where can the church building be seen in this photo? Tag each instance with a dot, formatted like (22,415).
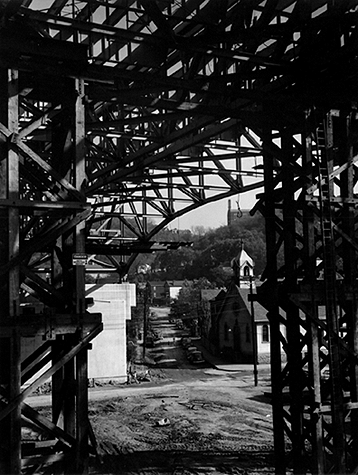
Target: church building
(234,321)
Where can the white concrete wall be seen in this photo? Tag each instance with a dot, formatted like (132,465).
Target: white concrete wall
(107,359)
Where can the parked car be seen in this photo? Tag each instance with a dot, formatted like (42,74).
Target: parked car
(167,362)
(196,357)
(159,357)
(186,341)
(190,350)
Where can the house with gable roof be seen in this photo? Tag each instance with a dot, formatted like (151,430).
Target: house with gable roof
(234,320)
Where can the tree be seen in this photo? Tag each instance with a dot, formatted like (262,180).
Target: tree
(185,307)
(173,265)
(212,251)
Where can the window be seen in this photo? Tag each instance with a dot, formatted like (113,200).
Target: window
(265,334)
(246,271)
(226,332)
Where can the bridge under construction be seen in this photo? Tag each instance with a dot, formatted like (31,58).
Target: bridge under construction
(119,116)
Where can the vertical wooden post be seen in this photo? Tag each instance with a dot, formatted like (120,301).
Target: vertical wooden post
(10,348)
(4,256)
(313,346)
(329,259)
(347,183)
(294,354)
(253,331)
(81,359)
(276,377)
(14,283)
(80,180)
(58,389)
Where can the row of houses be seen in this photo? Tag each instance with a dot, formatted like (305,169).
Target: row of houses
(163,293)
(227,322)
(231,323)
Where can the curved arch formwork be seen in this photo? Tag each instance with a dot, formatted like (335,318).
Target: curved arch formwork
(116,117)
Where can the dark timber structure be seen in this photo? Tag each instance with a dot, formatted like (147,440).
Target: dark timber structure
(117,117)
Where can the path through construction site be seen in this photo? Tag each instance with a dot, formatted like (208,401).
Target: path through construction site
(186,420)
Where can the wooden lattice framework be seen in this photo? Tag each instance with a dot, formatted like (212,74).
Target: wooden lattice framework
(310,293)
(117,117)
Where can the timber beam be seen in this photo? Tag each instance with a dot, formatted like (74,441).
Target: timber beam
(128,249)
(163,107)
(48,327)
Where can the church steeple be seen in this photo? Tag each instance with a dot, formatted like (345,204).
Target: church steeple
(243,266)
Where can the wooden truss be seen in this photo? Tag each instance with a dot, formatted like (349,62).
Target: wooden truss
(43,211)
(310,293)
(116,118)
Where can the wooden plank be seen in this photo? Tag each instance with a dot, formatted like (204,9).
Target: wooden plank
(4,282)
(48,168)
(45,325)
(322,324)
(35,355)
(313,345)
(80,181)
(82,432)
(294,353)
(35,124)
(43,205)
(275,347)
(329,259)
(47,425)
(14,275)
(349,406)
(336,172)
(41,162)
(13,193)
(47,374)
(69,397)
(28,374)
(349,257)
(45,459)
(53,294)
(14,391)
(38,243)
(58,386)
(81,358)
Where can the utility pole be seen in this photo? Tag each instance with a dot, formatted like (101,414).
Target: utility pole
(254,333)
(145,329)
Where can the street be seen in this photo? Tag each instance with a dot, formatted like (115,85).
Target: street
(187,420)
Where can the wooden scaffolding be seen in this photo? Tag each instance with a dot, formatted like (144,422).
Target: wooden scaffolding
(42,217)
(118,117)
(309,290)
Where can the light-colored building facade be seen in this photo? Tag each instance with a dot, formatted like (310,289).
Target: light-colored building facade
(108,358)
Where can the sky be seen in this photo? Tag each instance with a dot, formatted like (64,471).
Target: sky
(214,215)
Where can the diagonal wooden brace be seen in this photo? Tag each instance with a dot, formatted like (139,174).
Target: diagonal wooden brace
(47,374)
(25,150)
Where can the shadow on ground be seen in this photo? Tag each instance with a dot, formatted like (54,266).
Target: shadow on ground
(182,462)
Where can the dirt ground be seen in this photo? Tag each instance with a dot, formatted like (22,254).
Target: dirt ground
(185,420)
